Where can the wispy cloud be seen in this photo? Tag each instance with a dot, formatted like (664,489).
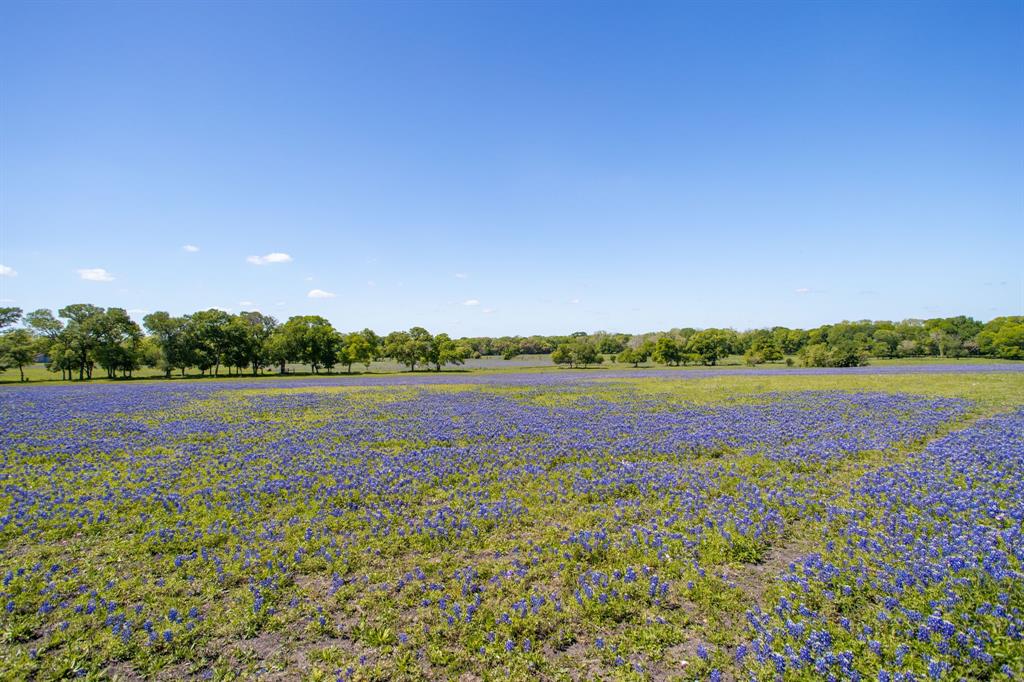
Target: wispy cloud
(471,301)
(320,293)
(488,311)
(8,271)
(137,311)
(270,258)
(574,301)
(245,303)
(461,275)
(190,248)
(803,290)
(95,275)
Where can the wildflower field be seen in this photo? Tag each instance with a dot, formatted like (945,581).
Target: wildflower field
(550,525)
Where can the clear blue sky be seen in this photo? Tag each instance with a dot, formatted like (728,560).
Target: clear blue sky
(491,168)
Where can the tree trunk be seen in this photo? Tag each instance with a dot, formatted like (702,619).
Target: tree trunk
(22,370)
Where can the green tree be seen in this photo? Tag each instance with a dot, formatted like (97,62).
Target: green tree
(49,331)
(311,340)
(117,339)
(408,348)
(711,345)
(80,331)
(17,349)
(444,351)
(356,348)
(171,335)
(667,351)
(208,338)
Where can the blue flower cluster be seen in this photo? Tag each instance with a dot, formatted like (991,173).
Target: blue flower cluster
(527,524)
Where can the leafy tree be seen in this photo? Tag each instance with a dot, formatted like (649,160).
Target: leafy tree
(848,354)
(117,339)
(999,337)
(815,355)
(254,329)
(443,351)
(711,345)
(81,335)
(634,356)
(17,349)
(408,348)
(50,330)
(356,348)
(172,338)
(577,353)
(766,348)
(208,338)
(311,340)
(667,351)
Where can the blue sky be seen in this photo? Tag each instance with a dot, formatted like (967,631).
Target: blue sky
(493,168)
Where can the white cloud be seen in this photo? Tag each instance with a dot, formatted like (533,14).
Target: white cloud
(461,275)
(137,311)
(488,311)
(574,301)
(309,279)
(471,301)
(245,303)
(803,290)
(6,300)
(371,283)
(320,293)
(8,271)
(95,275)
(190,248)
(276,257)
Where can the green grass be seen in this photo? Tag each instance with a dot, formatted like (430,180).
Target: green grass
(38,373)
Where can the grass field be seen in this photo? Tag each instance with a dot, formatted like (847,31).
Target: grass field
(39,373)
(517,525)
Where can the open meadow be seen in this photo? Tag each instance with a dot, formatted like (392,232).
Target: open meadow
(798,525)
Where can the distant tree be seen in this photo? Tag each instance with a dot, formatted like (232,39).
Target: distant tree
(815,355)
(49,331)
(753,358)
(258,328)
(356,348)
(766,348)
(562,355)
(276,350)
(375,342)
(633,356)
(117,339)
(171,335)
(579,352)
(1008,342)
(847,354)
(311,340)
(80,332)
(667,351)
(1001,337)
(444,351)
(711,345)
(17,349)
(208,338)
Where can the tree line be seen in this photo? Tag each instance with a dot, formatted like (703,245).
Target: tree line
(846,344)
(81,338)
